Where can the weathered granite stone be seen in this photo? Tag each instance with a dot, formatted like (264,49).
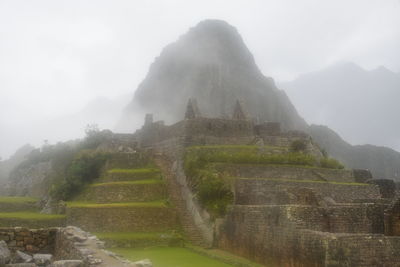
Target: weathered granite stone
(5,254)
(143,263)
(68,263)
(21,265)
(21,257)
(42,259)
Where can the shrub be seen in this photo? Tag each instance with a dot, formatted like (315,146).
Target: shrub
(84,168)
(214,193)
(331,163)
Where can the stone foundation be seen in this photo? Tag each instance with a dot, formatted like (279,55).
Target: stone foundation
(70,243)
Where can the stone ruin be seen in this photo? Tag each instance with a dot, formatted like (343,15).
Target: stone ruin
(298,216)
(56,247)
(290,216)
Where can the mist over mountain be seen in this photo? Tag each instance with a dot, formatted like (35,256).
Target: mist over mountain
(211,63)
(6,166)
(102,111)
(361,105)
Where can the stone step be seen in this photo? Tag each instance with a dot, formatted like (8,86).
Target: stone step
(122,217)
(13,204)
(141,239)
(119,175)
(132,191)
(291,172)
(32,220)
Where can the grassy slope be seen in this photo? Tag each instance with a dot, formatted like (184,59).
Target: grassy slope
(170,257)
(135,171)
(157,204)
(138,182)
(132,235)
(30,216)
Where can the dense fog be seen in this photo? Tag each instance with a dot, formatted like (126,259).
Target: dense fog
(66,64)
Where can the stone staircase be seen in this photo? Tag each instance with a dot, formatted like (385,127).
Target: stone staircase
(174,188)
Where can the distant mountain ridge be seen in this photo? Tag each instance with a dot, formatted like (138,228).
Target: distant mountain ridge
(361,105)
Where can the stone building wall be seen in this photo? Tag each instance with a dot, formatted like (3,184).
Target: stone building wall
(286,172)
(140,219)
(270,235)
(255,191)
(28,240)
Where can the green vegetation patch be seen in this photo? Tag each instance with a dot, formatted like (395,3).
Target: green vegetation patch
(18,200)
(138,182)
(304,181)
(30,216)
(142,239)
(331,163)
(224,256)
(153,204)
(130,235)
(136,171)
(170,257)
(83,169)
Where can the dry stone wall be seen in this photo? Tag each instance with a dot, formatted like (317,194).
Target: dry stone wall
(266,191)
(271,236)
(123,218)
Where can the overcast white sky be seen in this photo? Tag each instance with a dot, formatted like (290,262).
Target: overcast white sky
(56,56)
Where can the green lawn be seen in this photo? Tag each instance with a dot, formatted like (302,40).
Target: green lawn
(133,235)
(30,216)
(156,204)
(170,257)
(17,200)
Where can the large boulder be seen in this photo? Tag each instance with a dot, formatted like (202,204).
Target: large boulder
(143,263)
(21,257)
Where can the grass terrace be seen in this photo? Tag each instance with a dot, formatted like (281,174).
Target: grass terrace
(136,171)
(138,182)
(18,200)
(30,216)
(170,257)
(153,204)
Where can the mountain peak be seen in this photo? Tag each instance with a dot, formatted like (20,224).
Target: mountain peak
(211,42)
(211,63)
